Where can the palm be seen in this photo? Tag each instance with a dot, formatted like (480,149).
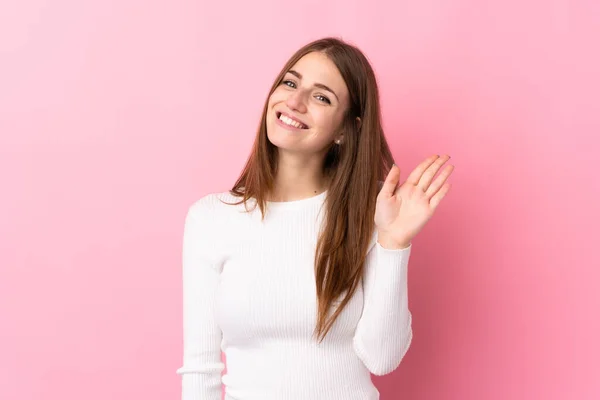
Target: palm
(401,212)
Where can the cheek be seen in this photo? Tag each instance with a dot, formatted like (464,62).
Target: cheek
(276,97)
(273,100)
(270,102)
(327,121)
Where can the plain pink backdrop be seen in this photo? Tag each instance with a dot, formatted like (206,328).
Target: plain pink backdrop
(116,115)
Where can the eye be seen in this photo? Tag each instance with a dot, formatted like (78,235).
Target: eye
(323,99)
(289,83)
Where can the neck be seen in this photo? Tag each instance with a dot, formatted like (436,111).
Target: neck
(297,182)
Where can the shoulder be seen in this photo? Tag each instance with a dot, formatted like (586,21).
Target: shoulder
(212,205)
(204,203)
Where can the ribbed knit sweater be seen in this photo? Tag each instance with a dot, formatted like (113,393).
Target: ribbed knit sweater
(249,291)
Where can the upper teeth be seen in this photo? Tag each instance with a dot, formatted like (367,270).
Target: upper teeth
(290,121)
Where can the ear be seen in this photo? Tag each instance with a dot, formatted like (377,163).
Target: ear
(358,123)
(339,138)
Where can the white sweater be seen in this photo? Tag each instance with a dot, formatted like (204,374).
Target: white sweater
(249,291)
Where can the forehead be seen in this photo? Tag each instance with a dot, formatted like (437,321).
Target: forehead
(316,67)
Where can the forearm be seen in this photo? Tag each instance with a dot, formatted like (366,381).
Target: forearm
(384,332)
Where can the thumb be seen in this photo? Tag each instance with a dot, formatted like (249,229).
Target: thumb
(391,181)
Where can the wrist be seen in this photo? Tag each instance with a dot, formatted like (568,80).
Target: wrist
(387,243)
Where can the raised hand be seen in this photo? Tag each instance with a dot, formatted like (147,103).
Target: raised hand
(401,212)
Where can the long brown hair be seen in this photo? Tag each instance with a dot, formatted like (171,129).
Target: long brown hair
(355,170)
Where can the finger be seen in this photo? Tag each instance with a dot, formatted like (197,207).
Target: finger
(437,198)
(391,181)
(416,174)
(440,180)
(430,172)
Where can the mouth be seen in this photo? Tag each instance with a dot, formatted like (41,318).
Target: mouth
(290,121)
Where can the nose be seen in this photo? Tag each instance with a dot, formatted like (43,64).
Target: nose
(296,101)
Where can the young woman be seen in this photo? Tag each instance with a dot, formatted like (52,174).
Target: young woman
(299,272)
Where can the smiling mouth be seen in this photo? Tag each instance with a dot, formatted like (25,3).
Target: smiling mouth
(290,122)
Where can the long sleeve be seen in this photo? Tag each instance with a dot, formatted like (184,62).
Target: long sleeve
(384,332)
(202,365)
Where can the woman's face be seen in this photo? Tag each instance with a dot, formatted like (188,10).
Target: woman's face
(305,112)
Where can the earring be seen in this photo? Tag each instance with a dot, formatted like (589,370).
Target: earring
(337,141)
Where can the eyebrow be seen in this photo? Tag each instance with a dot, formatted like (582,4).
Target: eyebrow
(319,85)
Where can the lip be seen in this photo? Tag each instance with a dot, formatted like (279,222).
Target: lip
(280,122)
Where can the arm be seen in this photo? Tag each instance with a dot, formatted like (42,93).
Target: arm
(202,365)
(384,333)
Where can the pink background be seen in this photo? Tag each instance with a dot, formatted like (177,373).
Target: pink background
(116,115)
